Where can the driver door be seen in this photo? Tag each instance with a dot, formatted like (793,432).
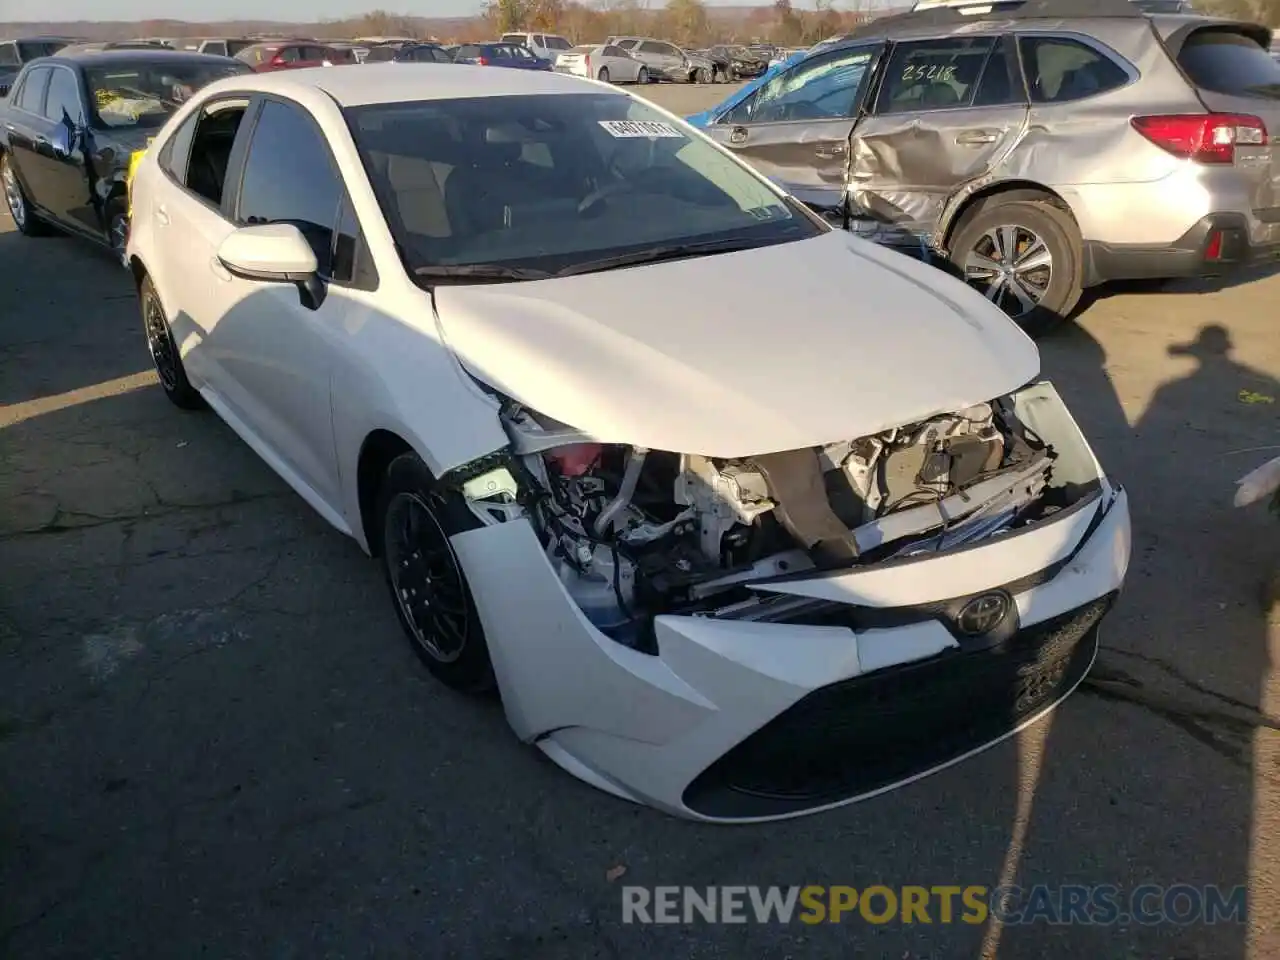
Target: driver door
(795,129)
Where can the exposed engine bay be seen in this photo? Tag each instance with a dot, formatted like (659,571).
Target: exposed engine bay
(633,533)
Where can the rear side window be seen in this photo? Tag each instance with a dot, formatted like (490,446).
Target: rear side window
(627,44)
(9,55)
(557,43)
(378,54)
(1226,61)
(31,96)
(1060,69)
(1001,81)
(289,178)
(933,74)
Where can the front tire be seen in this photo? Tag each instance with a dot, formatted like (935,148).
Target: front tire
(642,76)
(118,231)
(428,585)
(164,352)
(603,75)
(1025,257)
(702,75)
(24,218)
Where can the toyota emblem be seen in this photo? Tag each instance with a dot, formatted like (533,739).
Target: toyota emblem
(983,614)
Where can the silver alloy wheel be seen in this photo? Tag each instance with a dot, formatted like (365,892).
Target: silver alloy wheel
(1012,266)
(13,196)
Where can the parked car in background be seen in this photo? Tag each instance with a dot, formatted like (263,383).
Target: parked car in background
(15,53)
(666,61)
(734,63)
(548,46)
(604,62)
(385,51)
(754,557)
(422,53)
(73,123)
(1138,147)
(294,55)
(500,55)
(217,46)
(358,51)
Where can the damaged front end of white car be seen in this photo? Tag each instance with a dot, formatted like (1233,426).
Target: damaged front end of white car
(763,636)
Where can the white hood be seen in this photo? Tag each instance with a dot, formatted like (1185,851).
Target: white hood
(777,348)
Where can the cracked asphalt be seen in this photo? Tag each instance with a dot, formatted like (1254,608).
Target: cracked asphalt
(213,739)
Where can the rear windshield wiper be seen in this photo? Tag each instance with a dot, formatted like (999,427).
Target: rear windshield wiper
(483,272)
(678,251)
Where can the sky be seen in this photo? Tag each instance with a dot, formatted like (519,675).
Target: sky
(283,10)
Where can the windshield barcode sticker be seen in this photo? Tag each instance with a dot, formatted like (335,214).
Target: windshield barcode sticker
(640,128)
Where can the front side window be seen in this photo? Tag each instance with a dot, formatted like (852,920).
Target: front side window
(143,94)
(379,54)
(557,43)
(9,55)
(1060,69)
(821,88)
(933,74)
(627,44)
(547,182)
(31,96)
(63,102)
(1224,60)
(650,47)
(290,178)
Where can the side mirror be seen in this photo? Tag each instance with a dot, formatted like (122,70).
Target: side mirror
(274,253)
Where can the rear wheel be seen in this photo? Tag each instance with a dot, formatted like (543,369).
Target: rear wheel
(642,76)
(428,586)
(702,75)
(24,218)
(603,75)
(1025,257)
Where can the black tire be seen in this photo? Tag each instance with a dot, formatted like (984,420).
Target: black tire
(414,522)
(29,223)
(702,75)
(642,76)
(603,75)
(164,352)
(1027,221)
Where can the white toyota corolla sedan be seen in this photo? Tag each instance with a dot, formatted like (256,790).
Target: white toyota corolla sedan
(743,517)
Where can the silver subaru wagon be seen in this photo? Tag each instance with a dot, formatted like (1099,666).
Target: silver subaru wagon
(1038,147)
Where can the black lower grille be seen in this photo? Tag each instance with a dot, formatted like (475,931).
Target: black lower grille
(870,732)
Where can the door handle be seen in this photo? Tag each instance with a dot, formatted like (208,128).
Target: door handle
(162,216)
(830,151)
(219,271)
(738,135)
(976,138)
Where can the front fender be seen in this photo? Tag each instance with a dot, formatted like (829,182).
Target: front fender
(395,373)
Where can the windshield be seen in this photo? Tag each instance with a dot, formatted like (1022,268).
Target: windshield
(549,182)
(141,94)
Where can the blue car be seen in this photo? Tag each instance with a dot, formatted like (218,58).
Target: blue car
(500,55)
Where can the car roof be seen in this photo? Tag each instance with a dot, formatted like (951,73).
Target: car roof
(392,83)
(123,56)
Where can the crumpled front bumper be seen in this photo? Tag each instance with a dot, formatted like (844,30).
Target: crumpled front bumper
(711,727)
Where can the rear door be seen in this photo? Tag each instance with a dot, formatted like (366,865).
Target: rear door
(795,127)
(1235,73)
(946,112)
(24,130)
